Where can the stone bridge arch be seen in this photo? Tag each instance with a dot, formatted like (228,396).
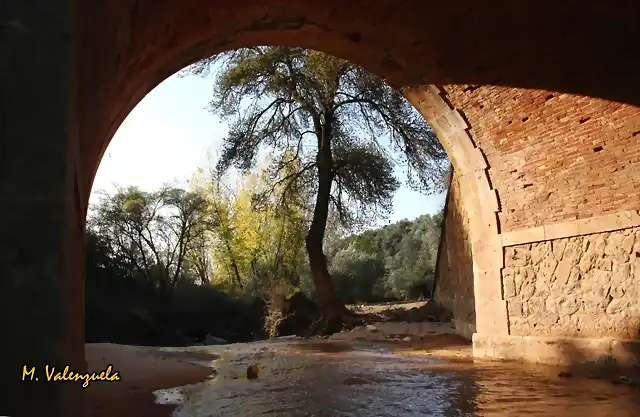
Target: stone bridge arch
(526,100)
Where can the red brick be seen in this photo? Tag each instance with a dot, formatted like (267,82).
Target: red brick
(551,141)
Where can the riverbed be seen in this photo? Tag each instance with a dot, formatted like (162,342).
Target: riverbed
(363,378)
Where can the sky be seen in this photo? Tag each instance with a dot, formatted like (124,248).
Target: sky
(170,133)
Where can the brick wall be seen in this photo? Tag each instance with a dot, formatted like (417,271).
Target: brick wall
(454,282)
(552,156)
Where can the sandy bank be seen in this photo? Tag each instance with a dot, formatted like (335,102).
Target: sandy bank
(142,370)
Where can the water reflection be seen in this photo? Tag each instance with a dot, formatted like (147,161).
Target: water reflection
(332,379)
(515,391)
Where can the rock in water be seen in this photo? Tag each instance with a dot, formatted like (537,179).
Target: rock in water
(253,371)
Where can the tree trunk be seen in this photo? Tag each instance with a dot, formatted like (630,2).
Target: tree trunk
(234,265)
(332,308)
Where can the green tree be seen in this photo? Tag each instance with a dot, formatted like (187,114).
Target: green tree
(331,116)
(357,275)
(403,253)
(152,231)
(410,268)
(254,243)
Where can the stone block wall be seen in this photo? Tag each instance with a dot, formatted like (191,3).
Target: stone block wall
(582,286)
(454,282)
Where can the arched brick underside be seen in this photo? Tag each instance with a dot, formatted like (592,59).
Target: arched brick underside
(480,202)
(121,49)
(130,46)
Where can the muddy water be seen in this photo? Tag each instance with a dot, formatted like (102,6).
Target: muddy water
(340,379)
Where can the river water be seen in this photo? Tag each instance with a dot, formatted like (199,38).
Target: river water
(349,379)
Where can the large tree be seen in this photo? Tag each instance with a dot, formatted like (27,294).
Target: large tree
(330,117)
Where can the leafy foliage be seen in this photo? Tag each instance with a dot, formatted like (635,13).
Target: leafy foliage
(153,231)
(394,262)
(335,135)
(357,275)
(285,99)
(121,306)
(267,247)
(256,245)
(327,117)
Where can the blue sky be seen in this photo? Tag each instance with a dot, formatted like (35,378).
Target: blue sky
(170,133)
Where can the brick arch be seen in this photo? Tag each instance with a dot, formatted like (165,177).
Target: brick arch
(491,61)
(140,66)
(445,73)
(480,201)
(129,47)
(150,41)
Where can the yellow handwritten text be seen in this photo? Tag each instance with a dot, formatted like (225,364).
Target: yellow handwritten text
(66,374)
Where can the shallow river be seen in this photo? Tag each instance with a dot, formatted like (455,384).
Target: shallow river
(338,379)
